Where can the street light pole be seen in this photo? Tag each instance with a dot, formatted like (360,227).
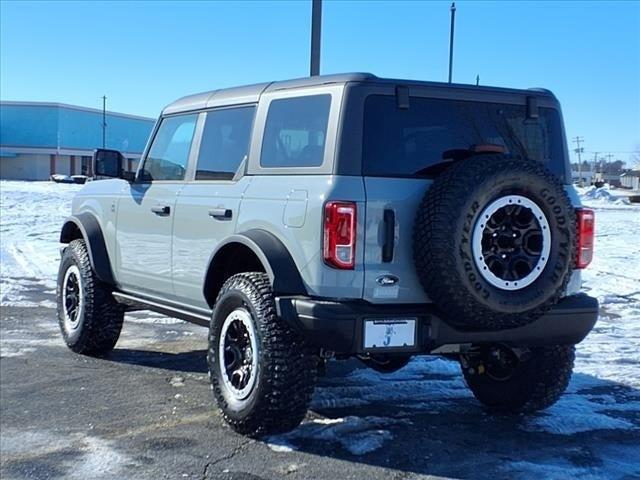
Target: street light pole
(316,27)
(104,121)
(453,22)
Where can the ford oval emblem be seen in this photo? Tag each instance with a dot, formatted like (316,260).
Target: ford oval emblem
(387,280)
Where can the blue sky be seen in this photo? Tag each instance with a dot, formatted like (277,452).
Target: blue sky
(144,55)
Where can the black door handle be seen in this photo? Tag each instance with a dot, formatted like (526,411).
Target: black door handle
(221,213)
(389,235)
(161,209)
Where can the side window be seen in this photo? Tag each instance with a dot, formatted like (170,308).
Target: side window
(225,143)
(296,131)
(169,152)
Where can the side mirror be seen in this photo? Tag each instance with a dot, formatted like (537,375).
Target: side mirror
(108,163)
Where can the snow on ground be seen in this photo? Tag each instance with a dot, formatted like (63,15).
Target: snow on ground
(614,278)
(99,458)
(357,435)
(604,394)
(31,217)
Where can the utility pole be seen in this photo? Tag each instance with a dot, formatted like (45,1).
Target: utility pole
(609,157)
(104,121)
(579,150)
(477,80)
(453,22)
(316,27)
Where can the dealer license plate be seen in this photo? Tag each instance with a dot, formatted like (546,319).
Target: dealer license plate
(390,333)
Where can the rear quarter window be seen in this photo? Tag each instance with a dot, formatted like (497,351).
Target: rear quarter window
(296,132)
(406,142)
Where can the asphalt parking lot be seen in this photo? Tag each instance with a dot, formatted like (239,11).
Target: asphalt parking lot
(146,412)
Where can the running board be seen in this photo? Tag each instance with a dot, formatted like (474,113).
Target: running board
(168,310)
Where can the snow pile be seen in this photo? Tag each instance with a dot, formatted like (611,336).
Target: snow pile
(600,196)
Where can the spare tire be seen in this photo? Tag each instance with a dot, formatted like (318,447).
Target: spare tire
(494,242)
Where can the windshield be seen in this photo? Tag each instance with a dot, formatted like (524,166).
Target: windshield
(406,142)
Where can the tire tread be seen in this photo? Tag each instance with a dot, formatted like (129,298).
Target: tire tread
(103,316)
(435,259)
(291,366)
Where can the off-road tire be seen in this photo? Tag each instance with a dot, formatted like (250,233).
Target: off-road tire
(442,242)
(100,318)
(287,365)
(537,382)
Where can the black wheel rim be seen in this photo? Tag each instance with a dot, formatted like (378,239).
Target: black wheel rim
(238,353)
(511,242)
(72,296)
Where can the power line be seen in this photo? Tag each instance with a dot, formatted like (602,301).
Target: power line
(611,151)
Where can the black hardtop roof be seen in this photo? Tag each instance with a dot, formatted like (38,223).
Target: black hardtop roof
(251,93)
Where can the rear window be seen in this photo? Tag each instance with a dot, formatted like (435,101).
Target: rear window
(225,143)
(406,142)
(296,131)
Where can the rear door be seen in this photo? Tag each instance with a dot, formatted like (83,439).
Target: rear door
(390,275)
(208,206)
(146,210)
(405,145)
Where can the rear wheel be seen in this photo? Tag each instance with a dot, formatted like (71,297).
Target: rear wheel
(89,317)
(525,382)
(262,372)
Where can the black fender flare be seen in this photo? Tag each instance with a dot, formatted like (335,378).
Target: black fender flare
(274,256)
(91,232)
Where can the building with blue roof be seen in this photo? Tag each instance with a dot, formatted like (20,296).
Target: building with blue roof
(39,139)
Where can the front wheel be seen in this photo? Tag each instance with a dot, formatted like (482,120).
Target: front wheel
(520,383)
(262,372)
(90,319)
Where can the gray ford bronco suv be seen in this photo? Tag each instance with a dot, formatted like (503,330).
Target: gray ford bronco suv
(341,216)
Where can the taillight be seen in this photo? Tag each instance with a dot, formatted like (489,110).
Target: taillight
(586,224)
(339,243)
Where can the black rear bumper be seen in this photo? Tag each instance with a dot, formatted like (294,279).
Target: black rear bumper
(339,326)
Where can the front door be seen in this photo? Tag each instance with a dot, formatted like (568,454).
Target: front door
(208,206)
(146,212)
